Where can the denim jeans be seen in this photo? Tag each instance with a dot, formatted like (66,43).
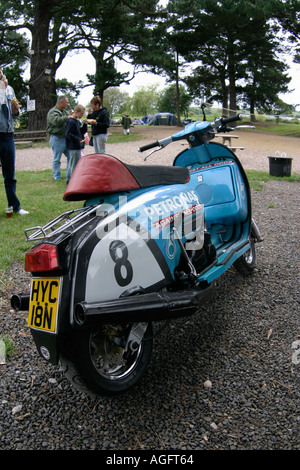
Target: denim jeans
(59,147)
(75,156)
(7,158)
(99,142)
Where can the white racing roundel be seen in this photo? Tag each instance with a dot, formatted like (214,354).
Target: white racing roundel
(120,260)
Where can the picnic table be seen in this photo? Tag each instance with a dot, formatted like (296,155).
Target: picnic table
(226,140)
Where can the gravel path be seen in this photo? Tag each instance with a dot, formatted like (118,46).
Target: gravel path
(246,342)
(258,147)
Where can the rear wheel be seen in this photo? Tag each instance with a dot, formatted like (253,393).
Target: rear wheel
(109,359)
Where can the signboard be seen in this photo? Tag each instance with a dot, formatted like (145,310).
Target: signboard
(30,105)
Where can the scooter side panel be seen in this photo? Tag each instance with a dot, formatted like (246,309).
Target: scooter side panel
(135,244)
(222,187)
(217,179)
(222,191)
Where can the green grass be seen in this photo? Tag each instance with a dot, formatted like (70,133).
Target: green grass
(115,133)
(42,196)
(117,136)
(9,346)
(284,129)
(258,178)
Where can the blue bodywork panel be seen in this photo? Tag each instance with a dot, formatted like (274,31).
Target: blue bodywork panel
(217,189)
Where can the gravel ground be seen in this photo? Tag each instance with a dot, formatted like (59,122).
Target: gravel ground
(257,148)
(246,342)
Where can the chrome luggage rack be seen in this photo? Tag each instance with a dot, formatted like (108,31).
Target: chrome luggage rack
(59,224)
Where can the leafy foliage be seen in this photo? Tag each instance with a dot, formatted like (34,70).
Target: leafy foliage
(233,47)
(168,103)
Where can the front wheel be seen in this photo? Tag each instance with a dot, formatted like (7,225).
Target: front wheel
(105,362)
(246,263)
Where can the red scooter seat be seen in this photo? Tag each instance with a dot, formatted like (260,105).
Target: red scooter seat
(97,174)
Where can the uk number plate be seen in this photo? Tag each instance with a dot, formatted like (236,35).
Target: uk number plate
(44,302)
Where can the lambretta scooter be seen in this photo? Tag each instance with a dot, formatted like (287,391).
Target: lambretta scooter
(146,247)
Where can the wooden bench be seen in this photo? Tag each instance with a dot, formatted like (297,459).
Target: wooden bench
(236,148)
(28,143)
(226,140)
(30,136)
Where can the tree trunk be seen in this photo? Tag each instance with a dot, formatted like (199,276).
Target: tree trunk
(224,98)
(252,111)
(177,92)
(42,86)
(100,75)
(231,76)
(252,102)
(232,95)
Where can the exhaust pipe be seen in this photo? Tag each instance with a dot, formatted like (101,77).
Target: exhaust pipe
(145,307)
(20,302)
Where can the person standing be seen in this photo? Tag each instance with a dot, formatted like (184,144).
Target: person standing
(99,118)
(9,111)
(57,118)
(126,122)
(75,136)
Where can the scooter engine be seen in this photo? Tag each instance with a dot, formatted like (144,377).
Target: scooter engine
(204,256)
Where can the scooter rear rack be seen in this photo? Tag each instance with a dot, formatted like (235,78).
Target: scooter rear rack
(61,223)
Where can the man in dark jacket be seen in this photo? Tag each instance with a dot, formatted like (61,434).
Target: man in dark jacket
(99,118)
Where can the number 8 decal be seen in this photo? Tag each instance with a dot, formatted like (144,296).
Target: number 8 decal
(117,262)
(123,269)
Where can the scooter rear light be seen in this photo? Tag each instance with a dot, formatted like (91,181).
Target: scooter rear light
(42,258)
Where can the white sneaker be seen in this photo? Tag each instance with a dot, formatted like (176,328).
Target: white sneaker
(23,212)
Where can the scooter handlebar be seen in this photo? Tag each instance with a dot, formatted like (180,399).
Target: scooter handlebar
(220,123)
(237,117)
(149,146)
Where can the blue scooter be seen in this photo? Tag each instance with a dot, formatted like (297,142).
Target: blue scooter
(146,247)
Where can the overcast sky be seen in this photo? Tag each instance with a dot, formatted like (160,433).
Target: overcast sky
(75,68)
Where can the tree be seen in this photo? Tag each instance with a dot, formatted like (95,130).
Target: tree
(110,41)
(287,13)
(227,38)
(14,54)
(14,48)
(265,75)
(115,100)
(206,85)
(168,100)
(51,39)
(144,101)
(60,26)
(159,53)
